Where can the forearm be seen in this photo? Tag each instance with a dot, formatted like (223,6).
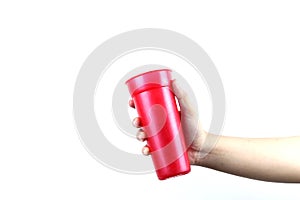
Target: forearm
(268,159)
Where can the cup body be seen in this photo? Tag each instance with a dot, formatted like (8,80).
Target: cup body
(156,106)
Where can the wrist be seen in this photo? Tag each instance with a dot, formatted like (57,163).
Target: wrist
(208,149)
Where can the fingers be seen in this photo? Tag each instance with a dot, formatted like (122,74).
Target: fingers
(131,103)
(141,136)
(146,151)
(136,122)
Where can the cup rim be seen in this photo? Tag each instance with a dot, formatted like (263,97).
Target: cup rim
(148,72)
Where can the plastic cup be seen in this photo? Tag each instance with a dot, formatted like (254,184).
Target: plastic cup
(156,106)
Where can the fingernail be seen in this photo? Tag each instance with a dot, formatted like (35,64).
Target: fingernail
(146,151)
(141,136)
(131,103)
(135,122)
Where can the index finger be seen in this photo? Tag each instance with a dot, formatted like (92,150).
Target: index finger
(131,103)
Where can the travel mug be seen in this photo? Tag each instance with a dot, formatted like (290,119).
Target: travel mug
(156,106)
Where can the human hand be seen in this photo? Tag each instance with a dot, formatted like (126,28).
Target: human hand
(193,133)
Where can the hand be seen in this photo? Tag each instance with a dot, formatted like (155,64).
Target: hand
(193,133)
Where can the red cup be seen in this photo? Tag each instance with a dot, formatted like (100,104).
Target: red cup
(156,106)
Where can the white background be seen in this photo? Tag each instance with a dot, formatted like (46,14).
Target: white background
(254,45)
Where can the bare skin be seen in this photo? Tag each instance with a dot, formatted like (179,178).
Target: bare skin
(267,159)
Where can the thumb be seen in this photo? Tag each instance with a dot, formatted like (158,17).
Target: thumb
(183,99)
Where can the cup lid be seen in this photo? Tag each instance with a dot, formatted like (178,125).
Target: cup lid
(149,80)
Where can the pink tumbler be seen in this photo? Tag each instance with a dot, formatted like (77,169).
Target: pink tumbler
(156,106)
